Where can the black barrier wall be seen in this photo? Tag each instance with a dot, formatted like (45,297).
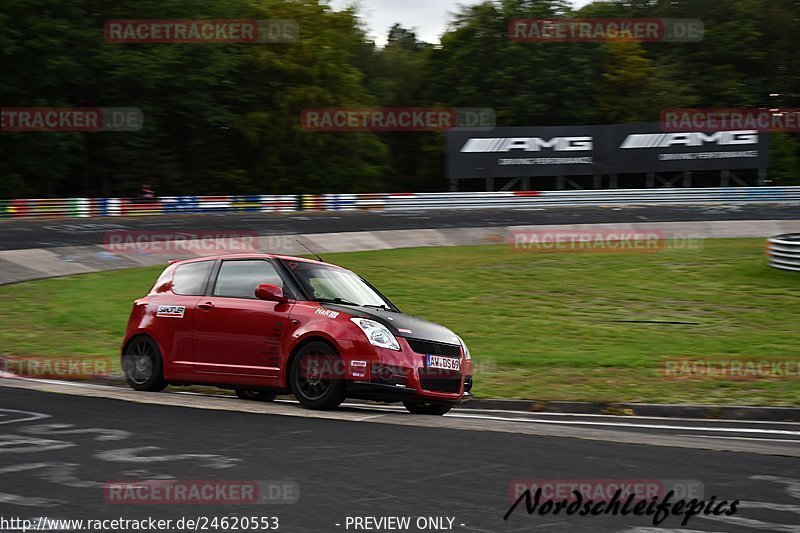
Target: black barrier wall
(594,150)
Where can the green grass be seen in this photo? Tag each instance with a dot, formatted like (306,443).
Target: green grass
(539,325)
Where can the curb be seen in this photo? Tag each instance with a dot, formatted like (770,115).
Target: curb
(715,412)
(711,412)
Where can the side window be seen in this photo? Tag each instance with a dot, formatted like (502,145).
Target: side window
(162,279)
(190,279)
(239,279)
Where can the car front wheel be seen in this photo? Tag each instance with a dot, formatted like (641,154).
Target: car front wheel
(315,377)
(428,408)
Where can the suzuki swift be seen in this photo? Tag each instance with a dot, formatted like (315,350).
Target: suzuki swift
(264,325)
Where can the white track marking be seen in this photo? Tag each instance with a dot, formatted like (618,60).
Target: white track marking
(58,473)
(20,444)
(627,425)
(739,438)
(103,434)
(372,417)
(143,455)
(28,501)
(630,417)
(6,413)
(792,485)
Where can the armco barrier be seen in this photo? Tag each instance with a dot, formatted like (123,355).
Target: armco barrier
(512,199)
(784,252)
(86,207)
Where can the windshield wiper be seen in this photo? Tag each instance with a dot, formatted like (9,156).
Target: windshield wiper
(340,301)
(383,307)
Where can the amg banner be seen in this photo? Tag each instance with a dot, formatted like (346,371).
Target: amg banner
(610,149)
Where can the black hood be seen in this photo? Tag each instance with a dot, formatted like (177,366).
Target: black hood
(399,324)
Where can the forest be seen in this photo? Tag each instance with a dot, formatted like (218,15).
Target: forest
(225,118)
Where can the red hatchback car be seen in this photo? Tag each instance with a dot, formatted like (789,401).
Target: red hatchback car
(265,324)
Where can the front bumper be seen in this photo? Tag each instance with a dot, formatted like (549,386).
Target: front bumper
(393,393)
(403,375)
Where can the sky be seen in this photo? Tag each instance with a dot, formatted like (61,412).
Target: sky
(427,17)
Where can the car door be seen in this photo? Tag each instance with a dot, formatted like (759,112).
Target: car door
(236,334)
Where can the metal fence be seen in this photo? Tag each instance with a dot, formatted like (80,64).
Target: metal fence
(89,207)
(784,252)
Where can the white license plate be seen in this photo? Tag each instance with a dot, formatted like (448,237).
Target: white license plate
(444,363)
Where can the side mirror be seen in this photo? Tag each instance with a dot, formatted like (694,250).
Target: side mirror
(270,293)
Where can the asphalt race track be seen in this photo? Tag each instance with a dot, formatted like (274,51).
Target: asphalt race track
(20,234)
(60,444)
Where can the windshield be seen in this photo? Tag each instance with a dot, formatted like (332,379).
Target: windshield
(330,283)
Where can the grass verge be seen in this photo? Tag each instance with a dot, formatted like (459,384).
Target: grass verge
(581,327)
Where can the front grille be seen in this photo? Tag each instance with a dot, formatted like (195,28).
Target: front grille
(434,348)
(436,381)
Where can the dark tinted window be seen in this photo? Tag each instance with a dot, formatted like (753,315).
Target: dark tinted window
(329,282)
(190,279)
(239,279)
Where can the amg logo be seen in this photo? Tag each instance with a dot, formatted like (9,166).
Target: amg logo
(665,140)
(528,144)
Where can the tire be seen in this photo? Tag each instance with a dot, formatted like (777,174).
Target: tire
(255,395)
(428,408)
(143,366)
(324,389)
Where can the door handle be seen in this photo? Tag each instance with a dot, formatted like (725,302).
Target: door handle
(208,306)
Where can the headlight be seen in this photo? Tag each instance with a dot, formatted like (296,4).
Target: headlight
(377,333)
(467,355)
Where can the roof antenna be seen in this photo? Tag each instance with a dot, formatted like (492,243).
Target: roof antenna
(310,250)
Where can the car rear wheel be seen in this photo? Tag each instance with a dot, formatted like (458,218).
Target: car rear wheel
(255,395)
(428,408)
(315,377)
(143,366)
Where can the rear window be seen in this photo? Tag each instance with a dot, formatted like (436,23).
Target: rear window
(162,279)
(190,279)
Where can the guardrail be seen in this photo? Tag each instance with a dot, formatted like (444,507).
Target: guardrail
(784,252)
(88,207)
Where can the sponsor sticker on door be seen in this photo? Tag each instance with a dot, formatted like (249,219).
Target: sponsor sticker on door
(170,311)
